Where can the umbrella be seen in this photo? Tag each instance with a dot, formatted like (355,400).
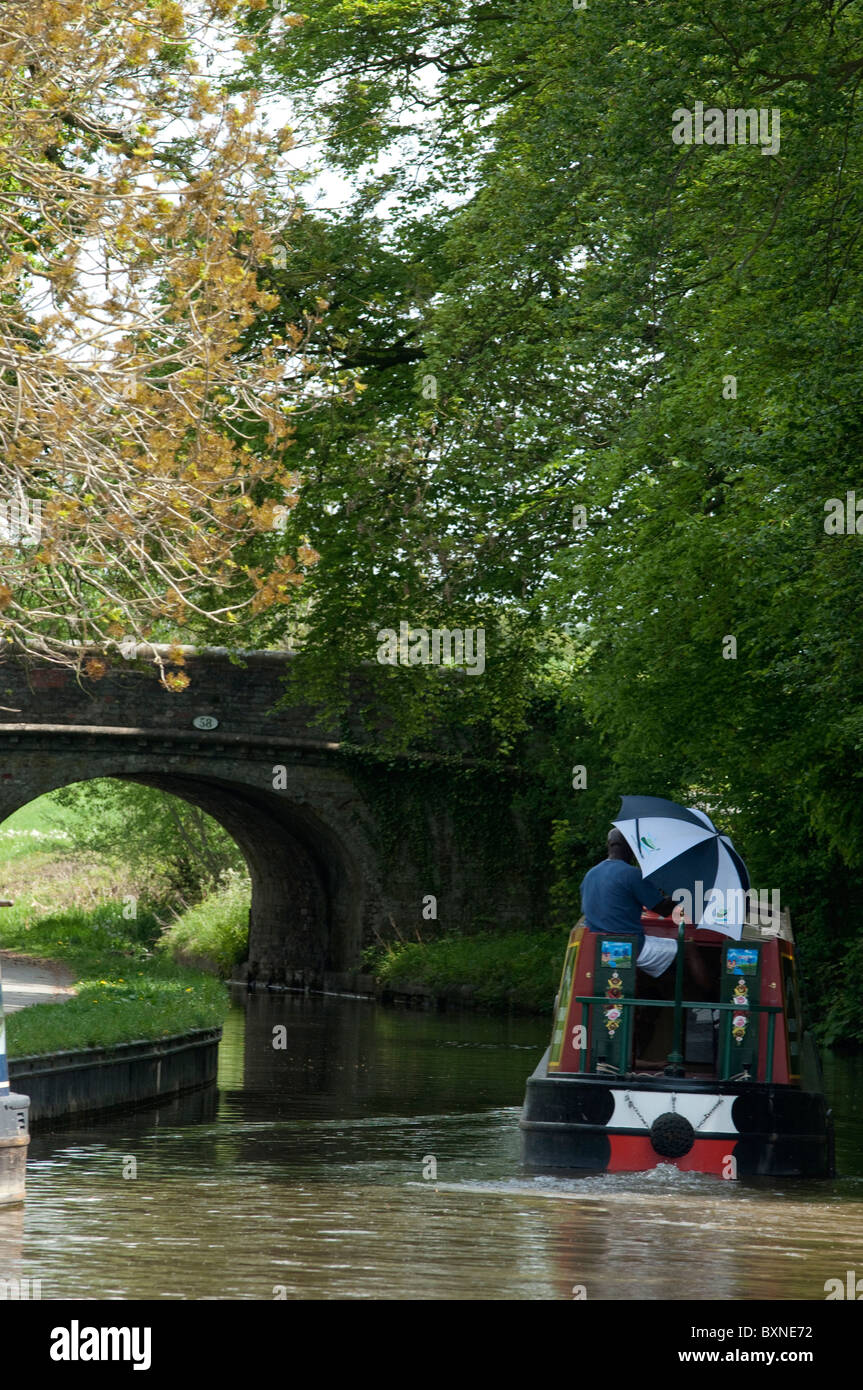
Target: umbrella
(702,863)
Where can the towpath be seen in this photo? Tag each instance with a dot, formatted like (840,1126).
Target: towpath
(29,981)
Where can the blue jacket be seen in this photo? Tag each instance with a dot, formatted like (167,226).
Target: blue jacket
(613,895)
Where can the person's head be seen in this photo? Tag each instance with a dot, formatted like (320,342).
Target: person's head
(618,846)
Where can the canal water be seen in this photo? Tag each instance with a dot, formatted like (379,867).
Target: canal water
(376,1156)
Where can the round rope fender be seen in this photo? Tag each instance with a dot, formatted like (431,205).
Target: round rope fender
(672,1135)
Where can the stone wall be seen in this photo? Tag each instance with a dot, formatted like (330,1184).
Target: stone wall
(239,693)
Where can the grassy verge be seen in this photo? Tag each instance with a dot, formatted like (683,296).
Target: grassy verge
(86,911)
(125,992)
(212,936)
(135,980)
(512,970)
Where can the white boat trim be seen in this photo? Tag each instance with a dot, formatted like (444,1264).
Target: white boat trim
(707,1112)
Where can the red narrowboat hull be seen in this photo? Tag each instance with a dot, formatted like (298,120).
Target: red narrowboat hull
(744,1097)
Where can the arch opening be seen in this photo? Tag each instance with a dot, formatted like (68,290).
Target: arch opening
(304,918)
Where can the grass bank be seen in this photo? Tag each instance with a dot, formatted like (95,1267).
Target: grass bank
(503,971)
(136,979)
(85,911)
(212,936)
(510,970)
(125,992)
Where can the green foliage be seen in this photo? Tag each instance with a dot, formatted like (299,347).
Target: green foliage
(173,847)
(82,937)
(213,935)
(843,1023)
(581,289)
(519,970)
(125,990)
(411,801)
(41,826)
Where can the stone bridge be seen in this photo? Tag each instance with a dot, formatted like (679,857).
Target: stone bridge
(327,877)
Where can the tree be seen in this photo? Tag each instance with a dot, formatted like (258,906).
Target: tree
(174,849)
(664,335)
(139,446)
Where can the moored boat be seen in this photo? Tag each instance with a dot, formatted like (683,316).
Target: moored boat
(728,1085)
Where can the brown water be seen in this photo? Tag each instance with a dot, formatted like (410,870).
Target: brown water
(303,1177)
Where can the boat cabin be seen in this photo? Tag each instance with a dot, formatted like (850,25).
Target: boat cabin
(611,1019)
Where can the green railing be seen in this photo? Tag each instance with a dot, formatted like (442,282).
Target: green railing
(675,1060)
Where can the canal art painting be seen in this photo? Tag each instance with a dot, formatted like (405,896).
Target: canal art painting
(613,992)
(431,538)
(742,961)
(739,1019)
(617,953)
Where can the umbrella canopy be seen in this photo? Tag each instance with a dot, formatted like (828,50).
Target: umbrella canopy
(680,847)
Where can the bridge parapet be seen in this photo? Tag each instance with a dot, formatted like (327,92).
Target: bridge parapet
(239,693)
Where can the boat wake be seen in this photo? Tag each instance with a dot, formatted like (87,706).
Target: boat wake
(665,1178)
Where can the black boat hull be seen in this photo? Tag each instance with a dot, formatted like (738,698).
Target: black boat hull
(730,1129)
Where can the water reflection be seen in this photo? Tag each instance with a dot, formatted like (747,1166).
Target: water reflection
(349,1058)
(843,1078)
(304,1172)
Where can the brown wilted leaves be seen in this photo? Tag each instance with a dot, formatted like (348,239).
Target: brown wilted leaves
(127,404)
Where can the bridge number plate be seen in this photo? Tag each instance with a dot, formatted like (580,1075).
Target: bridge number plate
(205,721)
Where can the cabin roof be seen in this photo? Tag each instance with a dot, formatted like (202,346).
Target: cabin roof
(778,925)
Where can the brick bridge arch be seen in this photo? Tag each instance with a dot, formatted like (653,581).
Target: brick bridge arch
(321,887)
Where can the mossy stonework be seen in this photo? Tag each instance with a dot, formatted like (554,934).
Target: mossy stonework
(342,844)
(452,830)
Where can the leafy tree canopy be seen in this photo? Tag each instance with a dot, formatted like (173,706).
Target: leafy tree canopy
(553,305)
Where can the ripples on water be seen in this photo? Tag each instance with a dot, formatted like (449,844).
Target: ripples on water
(305,1173)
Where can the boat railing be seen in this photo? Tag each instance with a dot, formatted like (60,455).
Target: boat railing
(725,1055)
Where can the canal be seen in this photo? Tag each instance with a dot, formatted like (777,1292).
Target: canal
(376,1156)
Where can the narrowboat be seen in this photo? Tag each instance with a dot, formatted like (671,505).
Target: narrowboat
(638,1075)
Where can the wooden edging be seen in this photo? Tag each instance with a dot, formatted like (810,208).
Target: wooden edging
(99,1079)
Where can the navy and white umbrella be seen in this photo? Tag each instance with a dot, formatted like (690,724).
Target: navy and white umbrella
(680,848)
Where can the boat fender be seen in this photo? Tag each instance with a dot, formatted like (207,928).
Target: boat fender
(672,1135)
